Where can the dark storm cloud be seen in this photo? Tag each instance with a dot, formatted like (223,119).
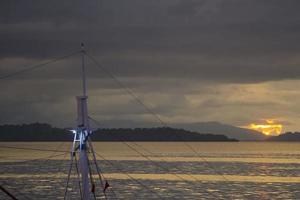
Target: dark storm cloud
(229,41)
(164,50)
(60,12)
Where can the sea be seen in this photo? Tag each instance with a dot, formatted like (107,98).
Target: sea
(154,170)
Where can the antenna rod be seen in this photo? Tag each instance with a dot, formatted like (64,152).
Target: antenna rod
(83,70)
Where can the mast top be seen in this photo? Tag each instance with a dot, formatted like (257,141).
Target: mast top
(82,47)
(83,70)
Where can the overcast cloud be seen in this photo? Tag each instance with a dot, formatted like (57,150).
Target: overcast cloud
(231,61)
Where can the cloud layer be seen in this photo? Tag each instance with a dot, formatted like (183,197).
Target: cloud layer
(191,60)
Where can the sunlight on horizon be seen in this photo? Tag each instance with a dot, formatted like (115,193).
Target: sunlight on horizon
(270,128)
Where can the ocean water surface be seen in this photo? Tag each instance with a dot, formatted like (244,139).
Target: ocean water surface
(156,170)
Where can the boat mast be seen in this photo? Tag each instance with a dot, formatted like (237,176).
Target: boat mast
(82,145)
(81,134)
(83,123)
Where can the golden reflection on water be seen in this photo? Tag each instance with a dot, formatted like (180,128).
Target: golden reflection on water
(166,151)
(169,177)
(208,159)
(250,167)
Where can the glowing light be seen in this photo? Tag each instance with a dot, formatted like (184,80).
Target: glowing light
(270,128)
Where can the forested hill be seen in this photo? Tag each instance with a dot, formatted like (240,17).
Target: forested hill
(287,137)
(45,132)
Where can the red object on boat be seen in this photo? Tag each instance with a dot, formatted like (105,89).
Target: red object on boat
(105,186)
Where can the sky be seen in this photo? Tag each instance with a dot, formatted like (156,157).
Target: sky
(231,61)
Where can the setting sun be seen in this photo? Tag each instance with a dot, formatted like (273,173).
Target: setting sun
(269,128)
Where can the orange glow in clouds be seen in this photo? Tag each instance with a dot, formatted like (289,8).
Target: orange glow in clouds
(269,128)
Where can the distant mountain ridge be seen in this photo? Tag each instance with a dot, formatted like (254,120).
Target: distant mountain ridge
(200,127)
(288,137)
(45,132)
(223,129)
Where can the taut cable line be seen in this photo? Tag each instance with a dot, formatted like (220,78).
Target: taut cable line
(150,111)
(129,176)
(122,86)
(126,89)
(8,193)
(34,67)
(157,164)
(31,149)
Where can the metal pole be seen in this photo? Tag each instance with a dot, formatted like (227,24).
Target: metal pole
(83,70)
(84,174)
(83,114)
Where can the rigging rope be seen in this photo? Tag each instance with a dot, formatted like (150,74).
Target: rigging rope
(149,110)
(190,175)
(99,172)
(157,163)
(92,180)
(31,68)
(78,176)
(69,174)
(62,168)
(126,89)
(17,192)
(129,176)
(33,149)
(8,193)
(41,158)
